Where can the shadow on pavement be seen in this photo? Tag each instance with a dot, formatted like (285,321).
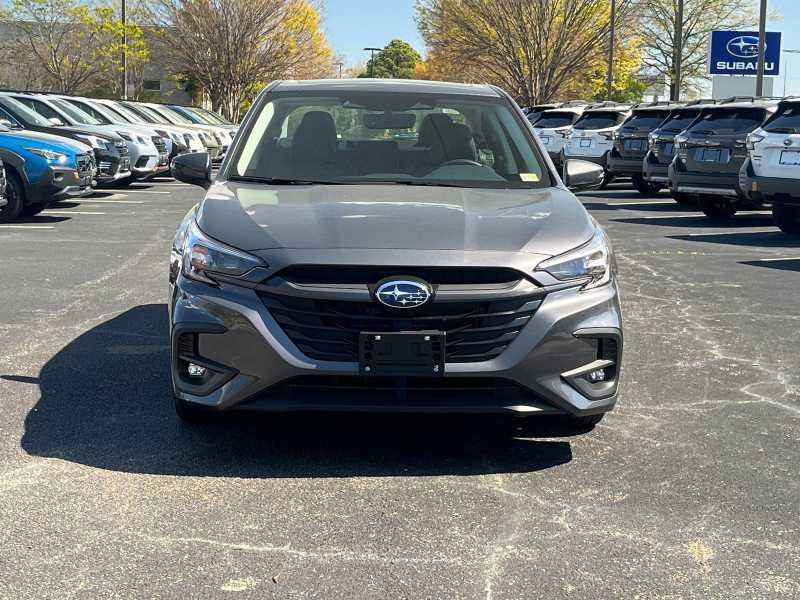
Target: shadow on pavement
(643,206)
(40,219)
(762,239)
(106,402)
(786,264)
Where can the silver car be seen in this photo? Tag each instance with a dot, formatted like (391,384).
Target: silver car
(391,246)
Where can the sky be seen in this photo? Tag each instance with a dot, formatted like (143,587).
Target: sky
(355,24)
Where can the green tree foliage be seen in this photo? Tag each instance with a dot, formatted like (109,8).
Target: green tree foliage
(398,60)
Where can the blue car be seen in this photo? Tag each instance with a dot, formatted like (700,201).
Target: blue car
(41,169)
(3,201)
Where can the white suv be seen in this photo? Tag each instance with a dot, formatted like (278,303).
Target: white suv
(592,136)
(554,126)
(771,174)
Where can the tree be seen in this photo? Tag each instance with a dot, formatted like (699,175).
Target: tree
(700,17)
(72,44)
(535,49)
(397,60)
(233,47)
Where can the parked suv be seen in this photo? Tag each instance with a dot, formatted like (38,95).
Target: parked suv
(631,143)
(711,152)
(40,169)
(204,133)
(553,127)
(662,146)
(224,131)
(3,201)
(593,134)
(110,151)
(532,113)
(771,174)
(146,159)
(333,266)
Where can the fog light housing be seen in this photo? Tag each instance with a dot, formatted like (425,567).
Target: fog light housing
(597,375)
(196,370)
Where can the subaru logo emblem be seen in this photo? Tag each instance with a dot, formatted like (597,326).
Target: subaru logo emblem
(402,293)
(743,46)
(787,142)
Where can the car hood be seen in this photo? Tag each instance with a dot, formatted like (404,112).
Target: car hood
(546,221)
(46,140)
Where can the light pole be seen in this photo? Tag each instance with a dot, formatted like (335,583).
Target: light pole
(786,68)
(677,53)
(762,35)
(339,65)
(372,60)
(124,51)
(613,24)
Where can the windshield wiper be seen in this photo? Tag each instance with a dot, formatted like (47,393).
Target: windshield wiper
(280,180)
(783,130)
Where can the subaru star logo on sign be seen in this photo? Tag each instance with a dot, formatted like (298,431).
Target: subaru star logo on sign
(736,53)
(397,293)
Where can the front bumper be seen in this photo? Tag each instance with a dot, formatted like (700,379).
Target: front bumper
(768,189)
(59,183)
(253,364)
(111,167)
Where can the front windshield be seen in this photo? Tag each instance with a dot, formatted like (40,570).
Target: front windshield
(127,115)
(23,113)
(598,120)
(75,113)
(150,116)
(423,139)
(172,116)
(554,120)
(739,120)
(214,116)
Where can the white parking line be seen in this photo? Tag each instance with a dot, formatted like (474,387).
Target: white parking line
(700,215)
(109,201)
(735,232)
(135,191)
(70,212)
(777,259)
(26,227)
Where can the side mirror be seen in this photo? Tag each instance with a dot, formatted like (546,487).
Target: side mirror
(56,121)
(580,175)
(193,168)
(6,124)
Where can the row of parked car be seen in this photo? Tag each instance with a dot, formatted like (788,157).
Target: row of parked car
(721,155)
(55,146)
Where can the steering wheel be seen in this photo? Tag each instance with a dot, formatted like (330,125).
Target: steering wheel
(462,161)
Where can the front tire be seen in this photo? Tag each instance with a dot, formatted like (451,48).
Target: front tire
(31,210)
(787,218)
(588,422)
(15,196)
(645,187)
(189,412)
(716,207)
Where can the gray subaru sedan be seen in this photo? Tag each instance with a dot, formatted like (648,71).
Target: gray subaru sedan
(381,245)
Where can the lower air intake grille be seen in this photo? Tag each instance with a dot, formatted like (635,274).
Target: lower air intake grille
(329,329)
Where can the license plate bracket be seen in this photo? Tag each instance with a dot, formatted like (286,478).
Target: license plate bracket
(585,142)
(790,157)
(401,354)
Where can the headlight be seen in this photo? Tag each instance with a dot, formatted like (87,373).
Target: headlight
(125,136)
(592,261)
(609,135)
(93,141)
(652,138)
(51,156)
(753,139)
(202,257)
(680,140)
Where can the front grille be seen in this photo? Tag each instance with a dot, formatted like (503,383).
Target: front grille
(368,275)
(329,329)
(84,162)
(158,142)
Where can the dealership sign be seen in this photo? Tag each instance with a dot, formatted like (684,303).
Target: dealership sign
(736,53)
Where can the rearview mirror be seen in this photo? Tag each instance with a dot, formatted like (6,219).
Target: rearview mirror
(193,168)
(389,120)
(580,175)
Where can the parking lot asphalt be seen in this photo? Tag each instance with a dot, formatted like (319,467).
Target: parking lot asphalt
(688,490)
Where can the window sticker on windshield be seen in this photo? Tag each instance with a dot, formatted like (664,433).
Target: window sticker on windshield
(529,177)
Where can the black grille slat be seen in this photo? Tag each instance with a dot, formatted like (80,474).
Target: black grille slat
(325,329)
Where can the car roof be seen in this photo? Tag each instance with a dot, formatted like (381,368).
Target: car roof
(385,85)
(765,103)
(660,106)
(566,109)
